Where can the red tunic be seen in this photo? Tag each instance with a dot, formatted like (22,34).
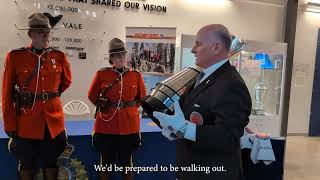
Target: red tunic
(19,64)
(125,120)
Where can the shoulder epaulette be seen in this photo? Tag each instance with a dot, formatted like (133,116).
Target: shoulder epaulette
(134,70)
(18,49)
(105,68)
(55,49)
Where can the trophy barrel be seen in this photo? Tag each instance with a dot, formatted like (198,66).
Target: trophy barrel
(164,94)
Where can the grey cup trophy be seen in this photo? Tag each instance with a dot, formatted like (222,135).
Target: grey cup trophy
(166,92)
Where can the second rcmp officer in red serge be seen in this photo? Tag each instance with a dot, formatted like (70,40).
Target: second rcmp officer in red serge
(117,91)
(33,79)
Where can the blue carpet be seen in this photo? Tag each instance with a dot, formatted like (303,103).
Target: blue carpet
(155,149)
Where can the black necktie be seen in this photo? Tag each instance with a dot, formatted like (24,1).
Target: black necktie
(200,76)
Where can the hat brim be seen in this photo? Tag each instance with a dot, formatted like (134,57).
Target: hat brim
(118,52)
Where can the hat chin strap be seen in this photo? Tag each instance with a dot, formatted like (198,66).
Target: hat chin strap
(119,67)
(38,45)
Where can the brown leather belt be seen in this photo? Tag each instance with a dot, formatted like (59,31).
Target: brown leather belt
(46,96)
(27,97)
(105,104)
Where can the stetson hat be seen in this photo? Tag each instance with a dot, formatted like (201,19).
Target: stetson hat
(53,20)
(40,21)
(116,46)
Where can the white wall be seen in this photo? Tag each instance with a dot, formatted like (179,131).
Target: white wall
(254,21)
(308,24)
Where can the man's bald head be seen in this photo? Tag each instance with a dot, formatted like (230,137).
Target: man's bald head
(219,32)
(212,45)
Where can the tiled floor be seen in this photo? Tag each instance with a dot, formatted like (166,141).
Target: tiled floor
(302,158)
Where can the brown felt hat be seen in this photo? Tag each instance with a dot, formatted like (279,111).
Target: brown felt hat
(116,46)
(41,21)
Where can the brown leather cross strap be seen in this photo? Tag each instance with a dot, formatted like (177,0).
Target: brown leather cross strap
(102,98)
(34,71)
(109,86)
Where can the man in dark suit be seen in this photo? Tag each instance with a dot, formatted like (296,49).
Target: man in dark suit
(213,113)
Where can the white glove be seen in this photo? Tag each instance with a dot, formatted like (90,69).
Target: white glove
(167,133)
(171,122)
(175,122)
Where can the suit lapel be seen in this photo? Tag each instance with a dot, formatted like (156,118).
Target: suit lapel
(208,81)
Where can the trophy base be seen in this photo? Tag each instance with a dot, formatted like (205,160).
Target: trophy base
(259,112)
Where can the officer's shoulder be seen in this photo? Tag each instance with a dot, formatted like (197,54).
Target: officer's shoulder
(56,50)
(18,50)
(105,69)
(135,71)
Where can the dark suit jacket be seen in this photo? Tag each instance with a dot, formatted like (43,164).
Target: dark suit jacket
(224,103)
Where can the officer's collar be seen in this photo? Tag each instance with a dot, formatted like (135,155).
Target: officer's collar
(37,51)
(121,70)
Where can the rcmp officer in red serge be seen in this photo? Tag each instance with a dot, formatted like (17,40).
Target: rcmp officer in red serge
(213,112)
(33,79)
(116,91)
